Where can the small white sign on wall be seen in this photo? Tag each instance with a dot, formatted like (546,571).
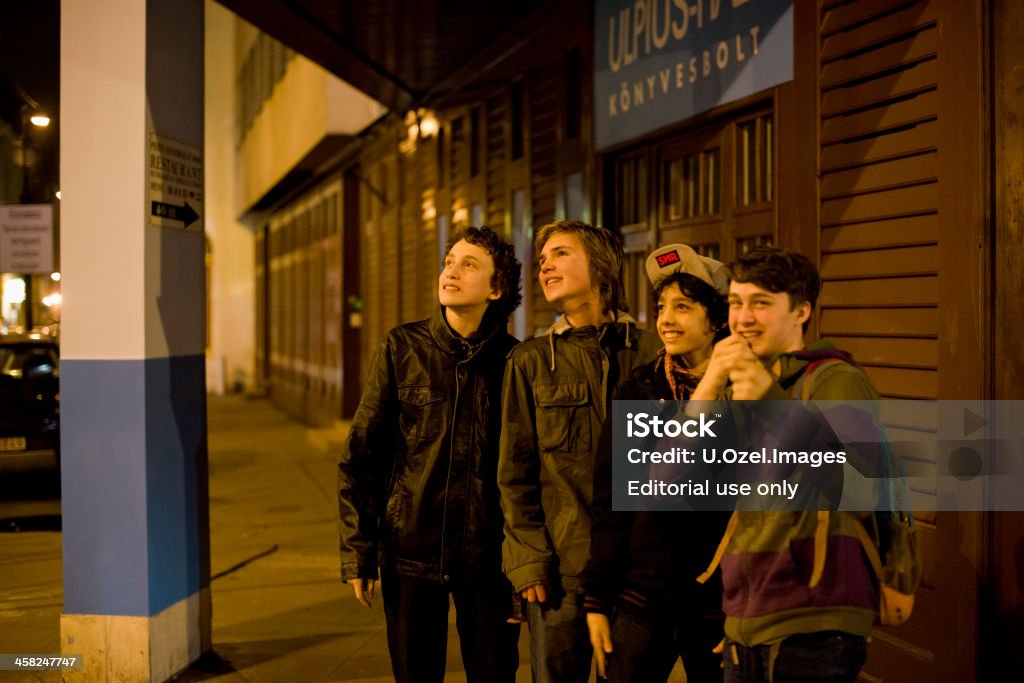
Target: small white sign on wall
(174,191)
(26,238)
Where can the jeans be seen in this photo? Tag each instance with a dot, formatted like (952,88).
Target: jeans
(416,613)
(645,646)
(560,650)
(822,657)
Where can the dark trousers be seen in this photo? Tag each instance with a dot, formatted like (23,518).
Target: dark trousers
(560,650)
(822,657)
(646,645)
(416,612)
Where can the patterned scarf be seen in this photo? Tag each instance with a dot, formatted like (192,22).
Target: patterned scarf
(680,380)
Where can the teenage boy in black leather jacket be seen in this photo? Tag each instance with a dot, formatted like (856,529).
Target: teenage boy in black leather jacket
(417,482)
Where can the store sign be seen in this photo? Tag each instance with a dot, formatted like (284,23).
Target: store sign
(662,61)
(26,238)
(174,197)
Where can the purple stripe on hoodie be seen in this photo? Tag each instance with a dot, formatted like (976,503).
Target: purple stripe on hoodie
(759,583)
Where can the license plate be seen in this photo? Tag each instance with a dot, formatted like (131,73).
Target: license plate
(12,443)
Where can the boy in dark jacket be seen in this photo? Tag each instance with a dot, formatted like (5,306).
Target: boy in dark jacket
(556,395)
(417,483)
(644,610)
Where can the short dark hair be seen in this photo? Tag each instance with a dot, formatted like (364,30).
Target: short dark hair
(714,304)
(507,269)
(604,257)
(779,270)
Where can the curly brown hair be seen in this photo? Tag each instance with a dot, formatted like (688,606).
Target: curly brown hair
(507,269)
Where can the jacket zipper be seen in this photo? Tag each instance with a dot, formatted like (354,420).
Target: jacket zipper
(448,477)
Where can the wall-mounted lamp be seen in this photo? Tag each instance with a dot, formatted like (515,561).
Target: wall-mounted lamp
(421,124)
(428,124)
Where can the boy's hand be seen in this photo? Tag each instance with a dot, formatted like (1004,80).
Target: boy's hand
(363,588)
(733,360)
(750,380)
(600,638)
(717,374)
(536,593)
(725,355)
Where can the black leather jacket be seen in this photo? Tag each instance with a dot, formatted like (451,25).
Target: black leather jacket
(417,482)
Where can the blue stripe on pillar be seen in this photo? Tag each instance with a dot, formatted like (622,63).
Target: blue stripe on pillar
(133,477)
(176,479)
(103,474)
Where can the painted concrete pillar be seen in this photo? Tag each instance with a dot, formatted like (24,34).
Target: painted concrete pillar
(133,432)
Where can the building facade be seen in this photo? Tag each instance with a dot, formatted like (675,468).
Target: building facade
(887,148)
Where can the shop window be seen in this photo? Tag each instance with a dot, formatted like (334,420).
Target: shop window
(475,147)
(693,185)
(712,250)
(517,106)
(522,238)
(748,244)
(457,152)
(574,204)
(633,186)
(264,66)
(442,171)
(573,93)
(754,160)
(442,239)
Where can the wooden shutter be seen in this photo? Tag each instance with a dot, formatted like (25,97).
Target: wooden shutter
(889,242)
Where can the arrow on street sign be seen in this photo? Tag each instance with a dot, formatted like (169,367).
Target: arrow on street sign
(186,214)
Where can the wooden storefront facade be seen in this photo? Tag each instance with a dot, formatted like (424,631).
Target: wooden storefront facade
(878,159)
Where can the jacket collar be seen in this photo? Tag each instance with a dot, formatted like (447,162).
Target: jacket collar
(562,326)
(791,365)
(445,337)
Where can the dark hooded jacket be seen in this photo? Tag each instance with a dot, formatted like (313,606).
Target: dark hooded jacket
(417,484)
(556,395)
(649,558)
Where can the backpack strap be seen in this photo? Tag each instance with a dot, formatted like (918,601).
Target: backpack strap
(820,548)
(730,529)
(821,528)
(870,549)
(806,383)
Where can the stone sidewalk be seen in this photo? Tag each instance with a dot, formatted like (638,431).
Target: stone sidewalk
(280,611)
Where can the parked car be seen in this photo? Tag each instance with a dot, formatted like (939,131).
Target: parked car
(29,403)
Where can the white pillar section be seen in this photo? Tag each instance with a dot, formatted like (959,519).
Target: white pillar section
(133,431)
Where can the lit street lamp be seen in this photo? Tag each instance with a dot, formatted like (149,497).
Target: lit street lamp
(29,114)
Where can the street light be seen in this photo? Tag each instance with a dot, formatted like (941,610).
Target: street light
(29,114)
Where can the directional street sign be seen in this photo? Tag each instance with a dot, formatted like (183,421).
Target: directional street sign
(173,212)
(175,184)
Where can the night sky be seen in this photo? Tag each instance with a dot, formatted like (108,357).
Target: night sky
(30,48)
(30,56)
